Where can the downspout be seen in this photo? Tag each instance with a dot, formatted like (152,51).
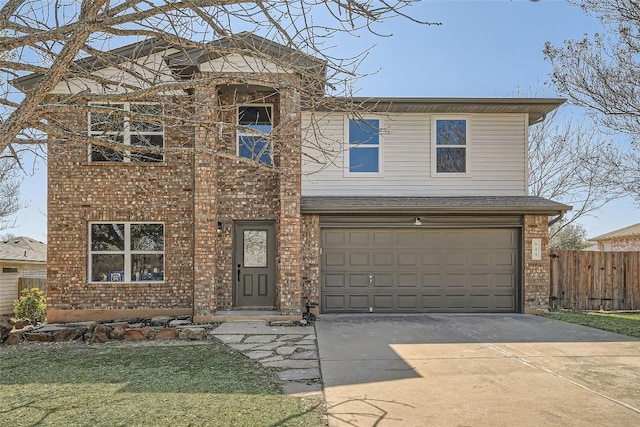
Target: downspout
(556,219)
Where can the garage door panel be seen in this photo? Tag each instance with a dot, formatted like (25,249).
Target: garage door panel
(359,302)
(357,259)
(334,259)
(383,259)
(420,270)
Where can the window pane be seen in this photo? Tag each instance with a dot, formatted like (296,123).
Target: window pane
(147,267)
(104,154)
(255,148)
(363,159)
(146,125)
(254,115)
(451,160)
(151,141)
(147,237)
(107,237)
(107,268)
(255,248)
(451,132)
(364,131)
(107,122)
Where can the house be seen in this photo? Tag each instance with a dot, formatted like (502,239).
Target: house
(20,257)
(411,205)
(623,239)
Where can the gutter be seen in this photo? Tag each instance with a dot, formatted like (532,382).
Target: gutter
(556,219)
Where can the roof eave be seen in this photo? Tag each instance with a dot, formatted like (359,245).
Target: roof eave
(471,210)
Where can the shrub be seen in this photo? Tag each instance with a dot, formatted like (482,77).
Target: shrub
(32,305)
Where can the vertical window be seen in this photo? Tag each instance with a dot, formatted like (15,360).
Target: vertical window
(364,145)
(254,122)
(451,145)
(131,125)
(126,252)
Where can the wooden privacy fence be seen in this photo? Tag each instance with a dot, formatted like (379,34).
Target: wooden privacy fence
(29,283)
(585,280)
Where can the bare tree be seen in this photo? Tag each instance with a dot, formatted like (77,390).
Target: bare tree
(573,163)
(69,42)
(602,72)
(10,202)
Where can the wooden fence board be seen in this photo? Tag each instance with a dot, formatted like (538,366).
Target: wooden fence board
(587,280)
(30,283)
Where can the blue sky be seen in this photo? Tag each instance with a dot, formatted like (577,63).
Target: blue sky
(483,49)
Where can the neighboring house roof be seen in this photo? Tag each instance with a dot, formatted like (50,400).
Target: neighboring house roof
(413,205)
(621,233)
(23,250)
(537,108)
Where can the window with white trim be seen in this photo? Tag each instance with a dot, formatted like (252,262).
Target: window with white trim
(450,146)
(126,252)
(134,125)
(364,146)
(254,123)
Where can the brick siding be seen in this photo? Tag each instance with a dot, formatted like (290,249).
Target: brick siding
(536,273)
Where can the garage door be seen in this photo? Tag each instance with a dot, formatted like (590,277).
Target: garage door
(419,270)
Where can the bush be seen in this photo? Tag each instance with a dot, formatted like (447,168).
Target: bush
(32,305)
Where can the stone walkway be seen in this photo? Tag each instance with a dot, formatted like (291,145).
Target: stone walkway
(290,350)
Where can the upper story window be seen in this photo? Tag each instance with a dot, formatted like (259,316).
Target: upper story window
(129,124)
(126,252)
(364,146)
(253,121)
(451,146)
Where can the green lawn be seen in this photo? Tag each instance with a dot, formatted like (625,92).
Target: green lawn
(622,323)
(143,385)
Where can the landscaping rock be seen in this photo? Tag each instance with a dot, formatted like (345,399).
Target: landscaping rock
(161,320)
(38,336)
(118,331)
(100,334)
(194,334)
(69,334)
(21,323)
(6,326)
(14,338)
(167,334)
(138,334)
(179,322)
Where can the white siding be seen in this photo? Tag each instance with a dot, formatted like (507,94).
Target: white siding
(236,63)
(8,289)
(497,158)
(153,71)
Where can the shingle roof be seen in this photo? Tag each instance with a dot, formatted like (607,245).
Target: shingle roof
(629,231)
(469,205)
(23,250)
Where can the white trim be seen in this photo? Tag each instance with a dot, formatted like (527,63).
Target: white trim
(239,131)
(467,147)
(127,252)
(347,147)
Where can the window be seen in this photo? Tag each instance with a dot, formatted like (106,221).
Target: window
(253,121)
(126,252)
(9,270)
(364,146)
(132,127)
(451,145)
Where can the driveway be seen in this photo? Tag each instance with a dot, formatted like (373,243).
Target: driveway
(476,370)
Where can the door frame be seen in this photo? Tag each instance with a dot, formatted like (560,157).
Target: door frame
(270,226)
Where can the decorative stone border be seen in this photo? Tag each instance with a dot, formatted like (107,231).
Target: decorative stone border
(157,328)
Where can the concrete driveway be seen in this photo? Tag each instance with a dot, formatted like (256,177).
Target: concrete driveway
(476,370)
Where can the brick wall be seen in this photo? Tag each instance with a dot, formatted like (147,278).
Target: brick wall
(536,273)
(623,244)
(311,258)
(80,192)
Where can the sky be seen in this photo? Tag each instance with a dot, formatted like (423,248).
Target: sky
(482,49)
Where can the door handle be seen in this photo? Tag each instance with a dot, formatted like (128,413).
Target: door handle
(239,271)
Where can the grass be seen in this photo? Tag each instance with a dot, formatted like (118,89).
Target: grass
(621,323)
(143,385)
